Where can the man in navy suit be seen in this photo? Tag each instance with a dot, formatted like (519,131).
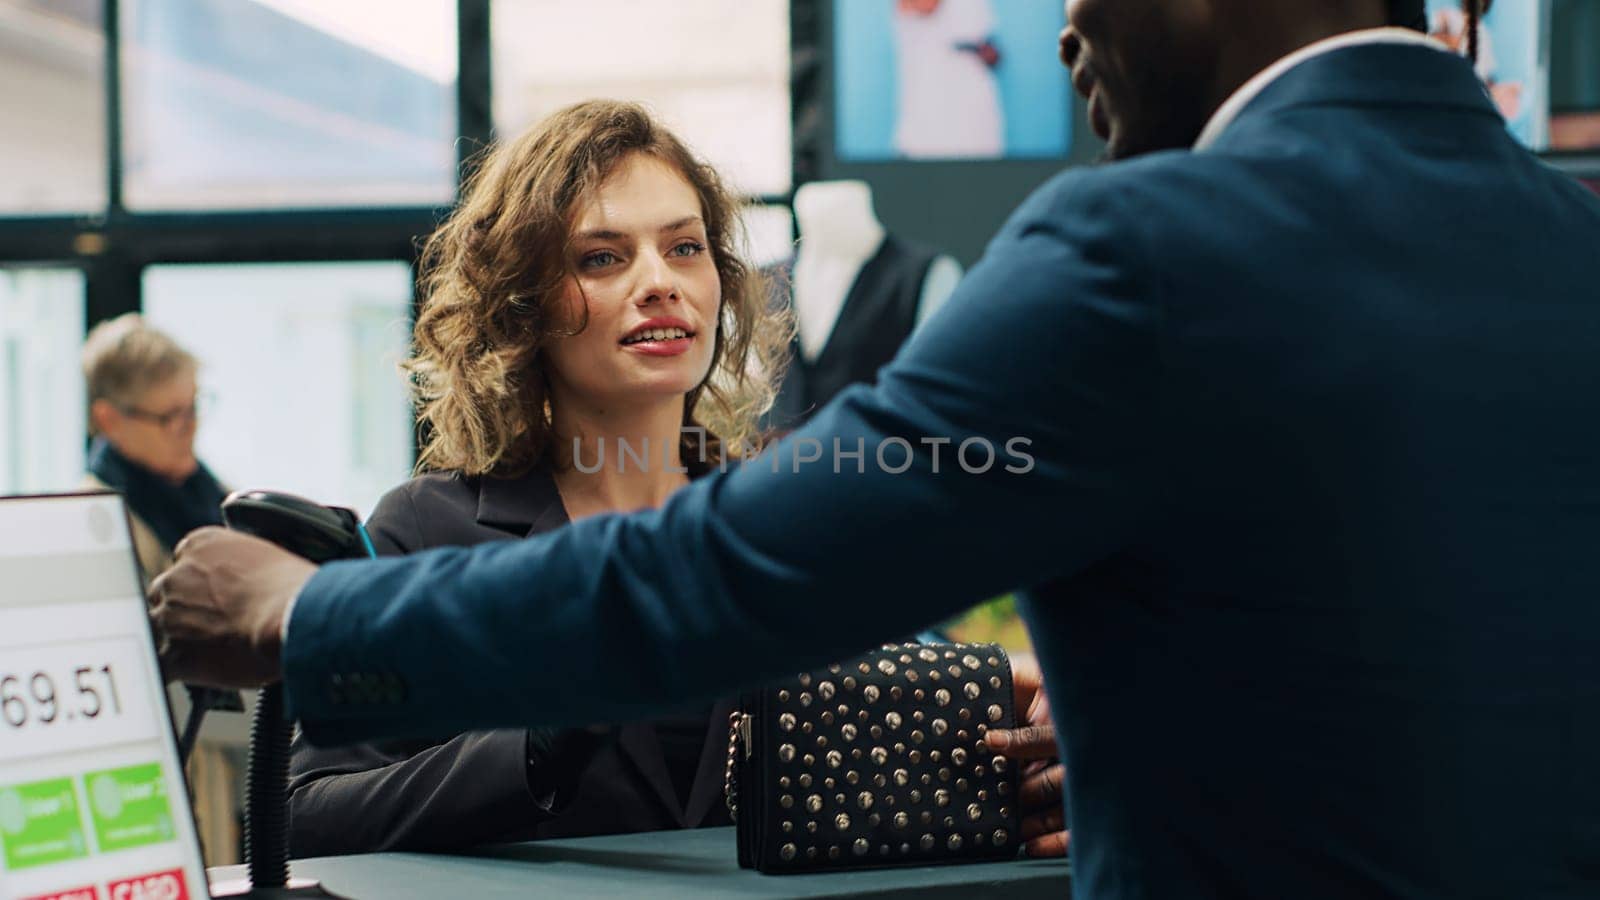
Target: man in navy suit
(1309,519)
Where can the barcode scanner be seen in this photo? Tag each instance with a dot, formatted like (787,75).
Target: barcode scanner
(303,527)
(321,534)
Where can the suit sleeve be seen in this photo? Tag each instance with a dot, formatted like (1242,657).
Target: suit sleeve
(1011,442)
(407,796)
(367,798)
(417,795)
(430,795)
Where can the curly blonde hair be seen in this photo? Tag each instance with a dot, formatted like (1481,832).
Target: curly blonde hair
(492,281)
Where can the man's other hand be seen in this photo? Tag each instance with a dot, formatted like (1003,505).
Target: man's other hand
(218,612)
(1033,745)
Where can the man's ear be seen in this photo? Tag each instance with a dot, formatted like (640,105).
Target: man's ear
(104,416)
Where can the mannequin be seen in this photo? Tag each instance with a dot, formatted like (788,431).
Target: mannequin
(839,232)
(857,293)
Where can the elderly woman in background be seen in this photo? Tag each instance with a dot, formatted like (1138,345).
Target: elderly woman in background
(142,417)
(142,396)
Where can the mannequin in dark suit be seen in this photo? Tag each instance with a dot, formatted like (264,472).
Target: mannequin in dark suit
(856,292)
(482,786)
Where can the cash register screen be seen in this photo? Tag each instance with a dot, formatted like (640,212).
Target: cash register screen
(92,799)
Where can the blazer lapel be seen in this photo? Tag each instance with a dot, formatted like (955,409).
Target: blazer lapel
(532,505)
(707,789)
(849,310)
(522,506)
(638,741)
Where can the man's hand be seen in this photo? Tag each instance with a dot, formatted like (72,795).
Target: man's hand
(218,612)
(1033,745)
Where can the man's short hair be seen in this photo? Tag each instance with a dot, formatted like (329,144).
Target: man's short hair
(124,357)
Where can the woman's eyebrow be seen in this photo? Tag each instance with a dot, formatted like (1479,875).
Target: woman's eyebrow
(600,234)
(609,234)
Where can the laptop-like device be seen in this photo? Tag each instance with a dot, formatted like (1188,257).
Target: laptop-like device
(93,803)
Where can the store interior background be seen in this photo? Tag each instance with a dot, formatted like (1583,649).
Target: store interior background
(254,174)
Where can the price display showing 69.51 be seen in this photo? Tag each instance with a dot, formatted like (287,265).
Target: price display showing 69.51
(48,705)
(58,697)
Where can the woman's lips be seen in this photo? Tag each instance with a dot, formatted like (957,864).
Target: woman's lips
(673,347)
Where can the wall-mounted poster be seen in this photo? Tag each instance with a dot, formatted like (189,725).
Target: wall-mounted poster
(1574,129)
(1575,75)
(1512,59)
(949,79)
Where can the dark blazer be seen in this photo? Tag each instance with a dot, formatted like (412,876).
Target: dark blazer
(1309,520)
(474,788)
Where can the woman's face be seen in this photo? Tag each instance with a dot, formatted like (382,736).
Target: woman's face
(644,271)
(157,429)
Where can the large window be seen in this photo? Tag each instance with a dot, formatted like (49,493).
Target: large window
(300,364)
(288,103)
(716,70)
(52,101)
(42,406)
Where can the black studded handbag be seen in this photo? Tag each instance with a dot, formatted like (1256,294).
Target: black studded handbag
(877,761)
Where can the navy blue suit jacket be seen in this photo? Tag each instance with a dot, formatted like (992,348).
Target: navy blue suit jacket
(1310,535)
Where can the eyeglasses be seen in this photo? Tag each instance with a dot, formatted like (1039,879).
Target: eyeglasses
(170,420)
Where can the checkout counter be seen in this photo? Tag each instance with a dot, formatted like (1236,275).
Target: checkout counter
(699,863)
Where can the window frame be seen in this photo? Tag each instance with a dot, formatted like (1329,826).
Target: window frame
(113,245)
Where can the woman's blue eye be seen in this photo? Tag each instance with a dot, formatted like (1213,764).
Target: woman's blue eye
(689,248)
(598,259)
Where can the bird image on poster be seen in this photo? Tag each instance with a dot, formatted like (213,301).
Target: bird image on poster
(949,79)
(1511,59)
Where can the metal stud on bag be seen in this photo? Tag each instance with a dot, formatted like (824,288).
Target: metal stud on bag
(898,780)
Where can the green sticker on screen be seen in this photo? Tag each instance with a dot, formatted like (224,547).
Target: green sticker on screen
(39,824)
(130,807)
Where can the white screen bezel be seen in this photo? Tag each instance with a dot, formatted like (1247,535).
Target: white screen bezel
(188,841)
